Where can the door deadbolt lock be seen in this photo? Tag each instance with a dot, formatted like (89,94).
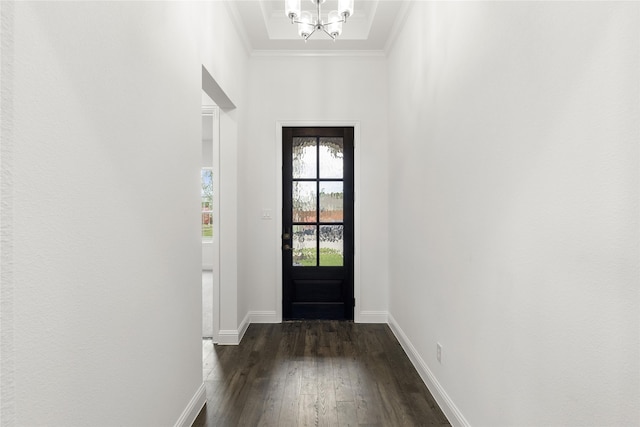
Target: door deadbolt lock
(286,236)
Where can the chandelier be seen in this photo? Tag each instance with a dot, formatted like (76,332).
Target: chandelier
(307,25)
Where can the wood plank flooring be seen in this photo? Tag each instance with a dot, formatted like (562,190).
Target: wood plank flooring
(314,373)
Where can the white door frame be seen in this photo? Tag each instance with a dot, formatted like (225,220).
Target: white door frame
(277,238)
(214,112)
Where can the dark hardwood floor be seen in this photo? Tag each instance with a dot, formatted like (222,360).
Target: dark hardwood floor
(315,373)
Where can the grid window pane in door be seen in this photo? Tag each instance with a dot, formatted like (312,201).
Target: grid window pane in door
(317,201)
(304,201)
(331,201)
(331,246)
(304,246)
(331,158)
(304,155)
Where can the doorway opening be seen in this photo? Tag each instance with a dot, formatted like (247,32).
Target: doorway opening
(210,218)
(318,223)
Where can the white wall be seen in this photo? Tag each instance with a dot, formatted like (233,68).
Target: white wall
(102,219)
(222,53)
(514,209)
(311,89)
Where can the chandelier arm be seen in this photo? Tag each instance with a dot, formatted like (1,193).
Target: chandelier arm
(328,33)
(311,33)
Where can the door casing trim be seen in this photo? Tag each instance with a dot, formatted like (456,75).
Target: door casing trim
(355,124)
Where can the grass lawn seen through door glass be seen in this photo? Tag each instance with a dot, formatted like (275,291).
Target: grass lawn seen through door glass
(328,258)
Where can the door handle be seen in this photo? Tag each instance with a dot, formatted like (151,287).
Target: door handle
(286,236)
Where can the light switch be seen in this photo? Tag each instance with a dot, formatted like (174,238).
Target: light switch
(266,213)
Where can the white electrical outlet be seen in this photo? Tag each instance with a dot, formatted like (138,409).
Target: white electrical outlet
(439,352)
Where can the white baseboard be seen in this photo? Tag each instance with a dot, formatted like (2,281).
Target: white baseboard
(372,317)
(242,328)
(194,407)
(231,336)
(264,317)
(440,395)
(228,337)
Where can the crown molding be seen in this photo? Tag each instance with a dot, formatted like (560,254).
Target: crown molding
(317,53)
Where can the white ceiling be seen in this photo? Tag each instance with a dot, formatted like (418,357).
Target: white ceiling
(266,29)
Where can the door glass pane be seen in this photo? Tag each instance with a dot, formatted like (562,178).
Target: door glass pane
(331,246)
(304,246)
(331,199)
(304,201)
(304,158)
(206,198)
(331,157)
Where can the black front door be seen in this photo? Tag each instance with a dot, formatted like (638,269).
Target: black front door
(317,223)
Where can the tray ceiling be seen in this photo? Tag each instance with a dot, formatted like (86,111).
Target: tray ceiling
(266,29)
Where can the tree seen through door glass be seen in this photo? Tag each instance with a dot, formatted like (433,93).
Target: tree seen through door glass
(304,155)
(331,201)
(331,158)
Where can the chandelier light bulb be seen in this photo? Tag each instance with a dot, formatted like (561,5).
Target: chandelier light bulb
(305,25)
(345,7)
(292,9)
(335,24)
